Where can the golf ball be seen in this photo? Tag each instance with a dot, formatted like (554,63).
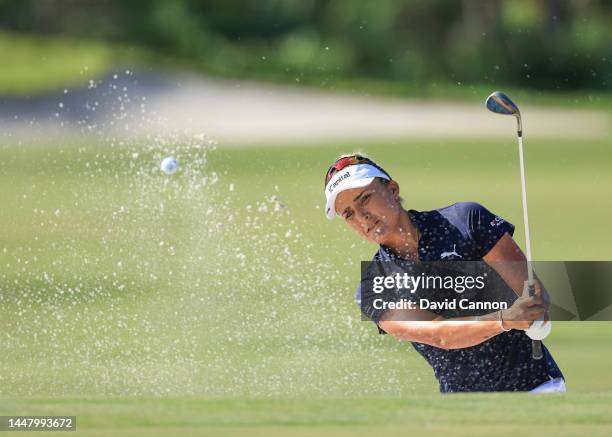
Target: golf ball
(169,165)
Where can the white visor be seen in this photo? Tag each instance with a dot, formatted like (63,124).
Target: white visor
(353,176)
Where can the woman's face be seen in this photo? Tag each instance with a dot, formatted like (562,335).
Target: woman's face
(372,211)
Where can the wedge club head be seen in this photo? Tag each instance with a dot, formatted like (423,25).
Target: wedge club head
(500,103)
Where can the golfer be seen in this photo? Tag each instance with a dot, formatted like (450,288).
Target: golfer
(488,352)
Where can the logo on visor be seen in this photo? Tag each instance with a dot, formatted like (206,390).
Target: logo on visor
(340,179)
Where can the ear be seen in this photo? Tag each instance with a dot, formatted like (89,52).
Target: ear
(394,188)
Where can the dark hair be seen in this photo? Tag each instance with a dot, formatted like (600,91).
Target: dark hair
(386,182)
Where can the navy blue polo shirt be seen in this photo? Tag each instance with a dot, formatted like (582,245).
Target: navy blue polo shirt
(467,231)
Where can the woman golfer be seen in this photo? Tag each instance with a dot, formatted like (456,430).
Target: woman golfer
(487,352)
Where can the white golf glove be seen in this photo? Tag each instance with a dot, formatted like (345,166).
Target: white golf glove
(539,329)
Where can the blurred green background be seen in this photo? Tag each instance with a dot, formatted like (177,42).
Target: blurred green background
(422,47)
(219,301)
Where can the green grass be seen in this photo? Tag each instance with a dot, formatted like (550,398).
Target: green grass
(440,90)
(33,64)
(463,414)
(243,321)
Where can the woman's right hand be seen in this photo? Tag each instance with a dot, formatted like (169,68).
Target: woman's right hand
(525,309)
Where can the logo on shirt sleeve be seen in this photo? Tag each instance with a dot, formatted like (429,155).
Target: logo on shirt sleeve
(497,221)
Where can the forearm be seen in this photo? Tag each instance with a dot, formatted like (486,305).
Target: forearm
(453,333)
(507,259)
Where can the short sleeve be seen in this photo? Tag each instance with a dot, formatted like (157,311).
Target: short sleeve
(485,228)
(365,301)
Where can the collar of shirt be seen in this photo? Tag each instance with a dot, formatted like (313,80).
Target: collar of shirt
(419,220)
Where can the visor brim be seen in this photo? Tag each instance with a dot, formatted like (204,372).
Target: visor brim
(330,206)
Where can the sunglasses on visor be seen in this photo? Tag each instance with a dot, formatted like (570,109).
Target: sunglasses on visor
(344,162)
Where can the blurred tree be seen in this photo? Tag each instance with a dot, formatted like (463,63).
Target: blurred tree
(480,18)
(556,44)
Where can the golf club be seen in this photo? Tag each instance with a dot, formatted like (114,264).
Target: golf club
(500,103)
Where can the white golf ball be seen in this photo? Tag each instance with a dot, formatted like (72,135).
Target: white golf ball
(169,165)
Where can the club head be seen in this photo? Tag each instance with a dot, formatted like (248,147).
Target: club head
(500,103)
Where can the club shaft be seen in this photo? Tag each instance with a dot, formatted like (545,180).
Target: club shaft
(536,345)
(525,213)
